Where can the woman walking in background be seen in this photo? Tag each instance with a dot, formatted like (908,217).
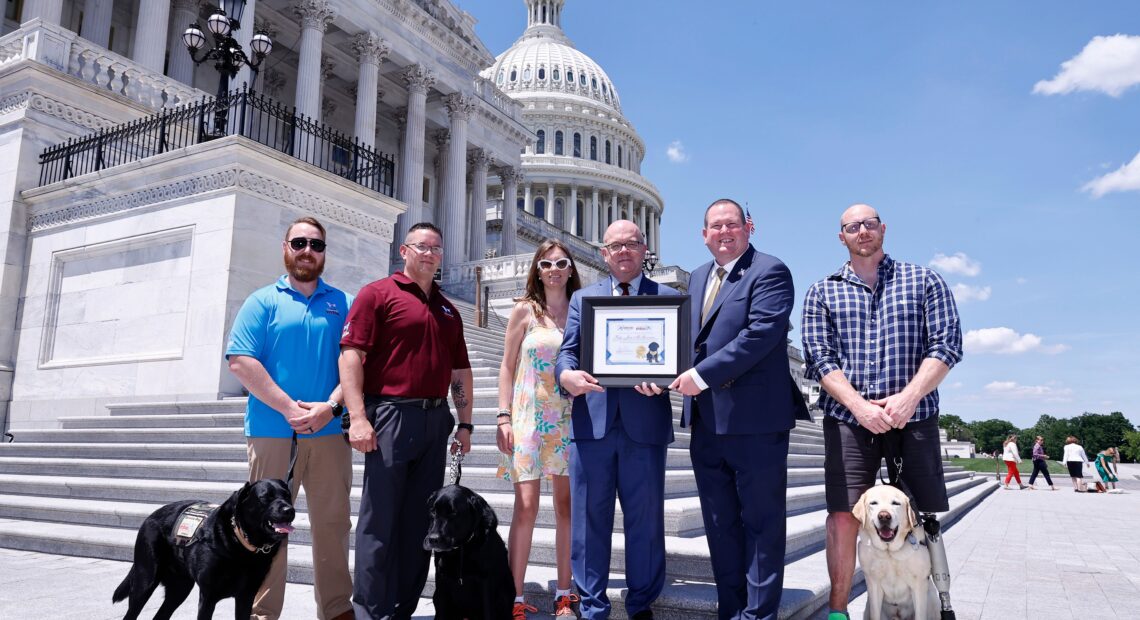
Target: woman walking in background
(1075,459)
(1103,464)
(534,416)
(1011,457)
(1040,464)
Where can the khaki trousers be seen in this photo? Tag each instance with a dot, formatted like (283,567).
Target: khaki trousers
(324,470)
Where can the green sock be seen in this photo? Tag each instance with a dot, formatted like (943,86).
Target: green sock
(838,615)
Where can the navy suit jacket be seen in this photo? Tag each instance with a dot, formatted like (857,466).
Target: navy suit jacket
(645,419)
(741,350)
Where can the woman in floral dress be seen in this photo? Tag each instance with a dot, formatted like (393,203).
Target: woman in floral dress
(534,417)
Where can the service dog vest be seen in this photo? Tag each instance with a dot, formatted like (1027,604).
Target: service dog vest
(190,521)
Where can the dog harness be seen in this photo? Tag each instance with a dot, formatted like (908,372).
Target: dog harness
(190,521)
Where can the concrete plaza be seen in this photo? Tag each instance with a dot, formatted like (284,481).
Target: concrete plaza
(1019,554)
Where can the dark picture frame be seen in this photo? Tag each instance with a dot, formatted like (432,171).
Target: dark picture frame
(634,339)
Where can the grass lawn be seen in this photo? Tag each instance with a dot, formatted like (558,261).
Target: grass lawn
(1025,467)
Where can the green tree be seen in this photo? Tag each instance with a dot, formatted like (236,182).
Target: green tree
(1098,431)
(1130,447)
(1054,431)
(989,434)
(956,427)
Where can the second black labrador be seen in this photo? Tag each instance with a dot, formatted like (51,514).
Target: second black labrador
(472,574)
(226,550)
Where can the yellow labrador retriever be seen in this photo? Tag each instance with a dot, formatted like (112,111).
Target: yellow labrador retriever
(896,564)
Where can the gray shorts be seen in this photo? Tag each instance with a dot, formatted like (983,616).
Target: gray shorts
(853,456)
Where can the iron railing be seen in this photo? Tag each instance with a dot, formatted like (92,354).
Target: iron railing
(240,113)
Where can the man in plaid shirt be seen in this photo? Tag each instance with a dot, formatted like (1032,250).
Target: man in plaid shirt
(879,335)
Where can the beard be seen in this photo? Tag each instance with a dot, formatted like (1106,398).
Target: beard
(304,271)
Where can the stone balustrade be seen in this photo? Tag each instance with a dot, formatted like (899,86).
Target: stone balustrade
(67,52)
(487,91)
(579,164)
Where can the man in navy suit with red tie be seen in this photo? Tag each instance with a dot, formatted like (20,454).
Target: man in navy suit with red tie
(741,402)
(620,436)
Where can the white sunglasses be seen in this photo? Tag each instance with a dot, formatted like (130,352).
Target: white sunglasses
(546,264)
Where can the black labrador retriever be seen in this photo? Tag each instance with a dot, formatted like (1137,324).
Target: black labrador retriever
(225,549)
(472,574)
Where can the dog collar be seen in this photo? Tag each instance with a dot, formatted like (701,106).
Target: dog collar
(266,548)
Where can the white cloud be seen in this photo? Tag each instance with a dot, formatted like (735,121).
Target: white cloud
(1023,280)
(1109,64)
(959,263)
(1124,179)
(1005,341)
(1013,389)
(956,385)
(676,152)
(964,293)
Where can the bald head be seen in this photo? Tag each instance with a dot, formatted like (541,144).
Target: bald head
(623,229)
(624,262)
(857,213)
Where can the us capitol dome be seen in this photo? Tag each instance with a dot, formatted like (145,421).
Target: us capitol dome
(583,171)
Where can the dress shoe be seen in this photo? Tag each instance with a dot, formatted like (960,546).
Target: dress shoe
(644,614)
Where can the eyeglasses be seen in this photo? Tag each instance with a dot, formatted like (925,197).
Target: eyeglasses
(546,265)
(872,224)
(425,249)
(614,248)
(731,226)
(299,243)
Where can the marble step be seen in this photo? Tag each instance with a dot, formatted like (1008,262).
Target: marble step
(805,582)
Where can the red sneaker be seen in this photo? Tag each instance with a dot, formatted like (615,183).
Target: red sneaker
(520,611)
(564,606)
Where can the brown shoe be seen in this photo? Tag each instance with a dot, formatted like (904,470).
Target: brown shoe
(348,615)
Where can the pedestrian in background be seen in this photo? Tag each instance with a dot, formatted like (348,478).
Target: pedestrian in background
(1012,457)
(1104,464)
(1040,464)
(1075,459)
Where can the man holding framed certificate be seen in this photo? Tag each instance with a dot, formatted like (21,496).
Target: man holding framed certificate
(740,402)
(619,433)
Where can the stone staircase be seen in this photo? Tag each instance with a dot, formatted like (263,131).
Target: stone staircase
(83,489)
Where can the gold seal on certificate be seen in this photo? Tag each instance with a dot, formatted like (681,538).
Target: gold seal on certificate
(628,340)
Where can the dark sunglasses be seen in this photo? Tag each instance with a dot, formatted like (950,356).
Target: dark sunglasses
(299,243)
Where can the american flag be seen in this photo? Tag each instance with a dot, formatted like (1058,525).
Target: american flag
(748,223)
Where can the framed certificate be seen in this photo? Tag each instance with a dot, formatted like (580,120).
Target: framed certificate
(628,340)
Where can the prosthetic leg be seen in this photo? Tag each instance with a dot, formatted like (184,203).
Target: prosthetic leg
(939,567)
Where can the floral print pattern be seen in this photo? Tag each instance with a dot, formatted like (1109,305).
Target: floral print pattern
(540,415)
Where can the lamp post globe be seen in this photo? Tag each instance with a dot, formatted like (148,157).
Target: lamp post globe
(193,38)
(219,24)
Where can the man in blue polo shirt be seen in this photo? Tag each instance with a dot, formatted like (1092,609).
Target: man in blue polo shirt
(284,348)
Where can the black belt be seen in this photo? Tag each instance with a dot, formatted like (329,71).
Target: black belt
(422,403)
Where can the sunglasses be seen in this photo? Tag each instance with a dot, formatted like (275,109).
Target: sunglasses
(546,264)
(299,243)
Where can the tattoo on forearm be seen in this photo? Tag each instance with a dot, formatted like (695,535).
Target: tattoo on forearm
(458,394)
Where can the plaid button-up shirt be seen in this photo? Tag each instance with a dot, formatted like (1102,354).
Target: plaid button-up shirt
(879,337)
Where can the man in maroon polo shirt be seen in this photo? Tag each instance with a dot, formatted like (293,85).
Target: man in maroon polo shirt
(401,348)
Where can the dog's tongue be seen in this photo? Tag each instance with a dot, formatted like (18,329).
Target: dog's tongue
(886,533)
(283,528)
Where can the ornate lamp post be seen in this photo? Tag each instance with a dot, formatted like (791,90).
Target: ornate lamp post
(650,262)
(226,53)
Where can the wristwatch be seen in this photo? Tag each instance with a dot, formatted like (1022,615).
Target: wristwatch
(337,408)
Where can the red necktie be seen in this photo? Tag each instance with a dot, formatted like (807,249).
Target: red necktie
(624,286)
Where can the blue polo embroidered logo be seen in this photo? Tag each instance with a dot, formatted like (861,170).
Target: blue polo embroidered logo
(447,311)
(330,307)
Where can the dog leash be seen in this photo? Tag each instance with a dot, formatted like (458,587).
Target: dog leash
(456,467)
(292,462)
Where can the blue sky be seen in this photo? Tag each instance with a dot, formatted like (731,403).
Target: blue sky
(1026,201)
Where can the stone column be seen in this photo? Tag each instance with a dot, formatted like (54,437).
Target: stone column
(459,109)
(181,65)
(510,178)
(528,199)
(371,51)
(97,23)
(243,37)
(149,48)
(615,213)
(410,189)
(479,161)
(315,16)
(441,138)
(571,211)
(592,217)
(549,215)
(51,11)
